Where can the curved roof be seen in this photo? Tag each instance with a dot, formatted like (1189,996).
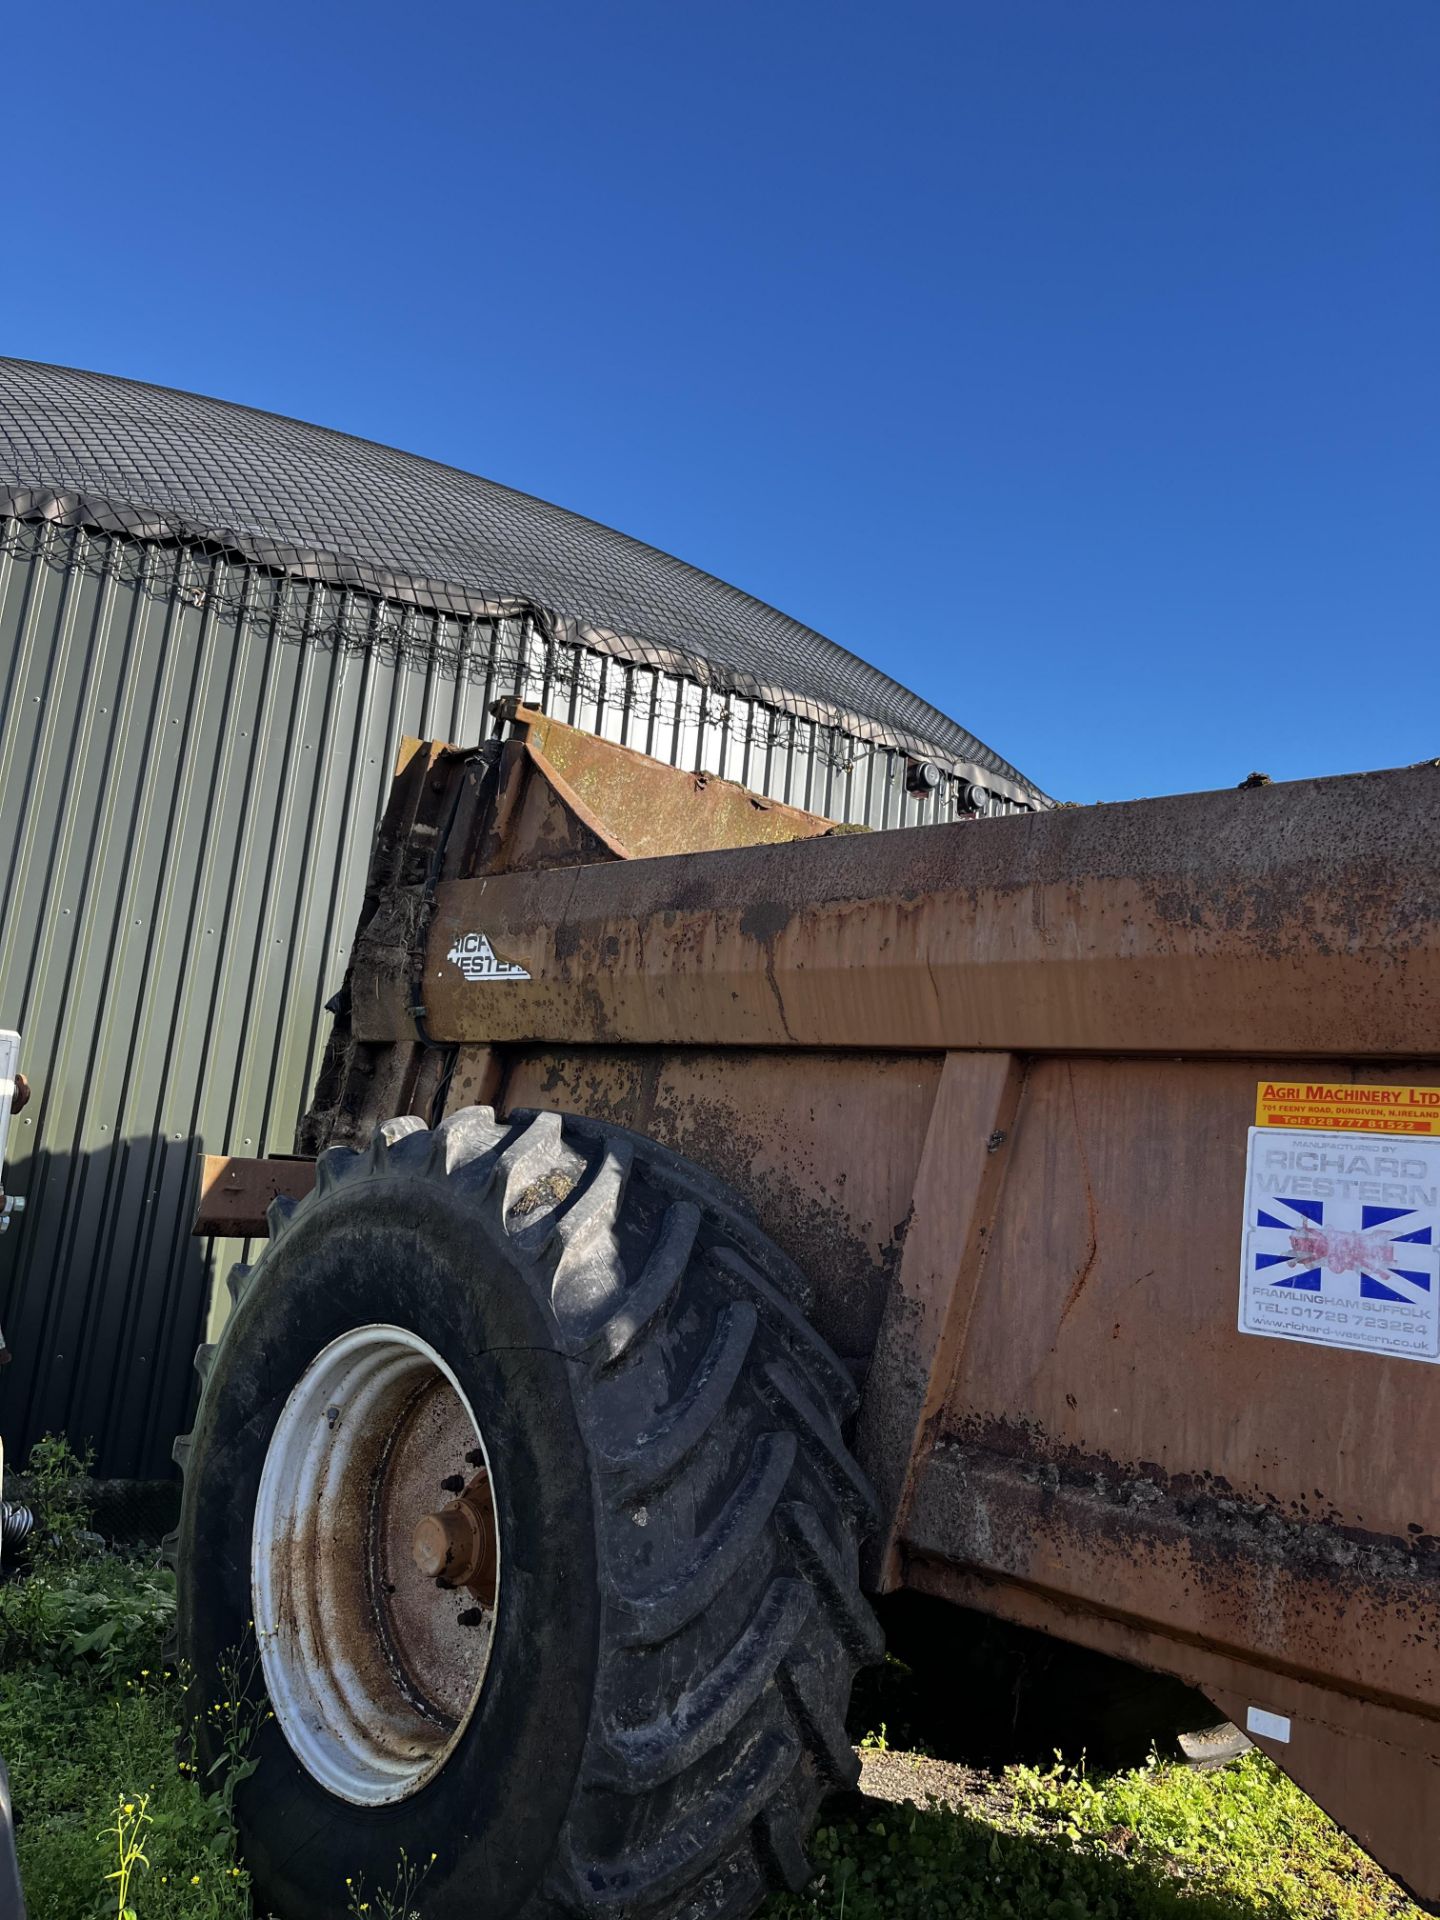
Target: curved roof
(149,460)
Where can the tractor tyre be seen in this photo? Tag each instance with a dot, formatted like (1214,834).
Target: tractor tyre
(518,1516)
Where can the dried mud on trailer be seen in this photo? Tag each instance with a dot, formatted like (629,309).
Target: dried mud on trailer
(705,1224)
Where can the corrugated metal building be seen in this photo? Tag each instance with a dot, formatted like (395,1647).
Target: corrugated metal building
(215,625)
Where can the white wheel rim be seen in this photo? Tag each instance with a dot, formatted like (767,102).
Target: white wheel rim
(373,1669)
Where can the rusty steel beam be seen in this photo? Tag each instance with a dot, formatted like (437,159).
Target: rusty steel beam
(1302,919)
(234,1192)
(1244,1577)
(927,1307)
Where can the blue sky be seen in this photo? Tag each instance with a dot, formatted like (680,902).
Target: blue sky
(1073,360)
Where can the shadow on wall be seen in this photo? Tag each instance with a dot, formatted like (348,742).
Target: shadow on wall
(106,1358)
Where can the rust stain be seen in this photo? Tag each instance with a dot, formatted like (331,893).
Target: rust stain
(1091,1256)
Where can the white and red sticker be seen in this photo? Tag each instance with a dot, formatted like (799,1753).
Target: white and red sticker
(1340,1244)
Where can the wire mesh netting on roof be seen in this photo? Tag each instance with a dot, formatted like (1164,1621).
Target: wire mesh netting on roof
(160,465)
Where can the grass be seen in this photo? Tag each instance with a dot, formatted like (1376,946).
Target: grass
(1159,1843)
(89,1724)
(113,1822)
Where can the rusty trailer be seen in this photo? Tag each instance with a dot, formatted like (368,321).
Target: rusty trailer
(1079,1169)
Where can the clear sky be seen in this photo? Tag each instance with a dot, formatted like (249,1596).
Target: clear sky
(1076,361)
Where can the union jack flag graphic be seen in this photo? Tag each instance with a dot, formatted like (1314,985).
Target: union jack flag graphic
(1342,1250)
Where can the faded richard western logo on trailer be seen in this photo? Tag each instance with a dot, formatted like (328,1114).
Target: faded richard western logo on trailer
(1340,1243)
(473,954)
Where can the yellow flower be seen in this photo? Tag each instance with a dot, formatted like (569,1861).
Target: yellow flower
(194,1879)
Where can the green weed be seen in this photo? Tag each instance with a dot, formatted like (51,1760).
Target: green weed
(55,1476)
(103,1619)
(396,1902)
(89,1717)
(131,1819)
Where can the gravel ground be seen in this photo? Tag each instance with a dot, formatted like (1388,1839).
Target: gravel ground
(919,1777)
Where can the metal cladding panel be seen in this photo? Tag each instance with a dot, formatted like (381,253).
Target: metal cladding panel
(194,753)
(188,793)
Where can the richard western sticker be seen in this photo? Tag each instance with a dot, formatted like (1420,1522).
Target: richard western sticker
(475,957)
(1340,1240)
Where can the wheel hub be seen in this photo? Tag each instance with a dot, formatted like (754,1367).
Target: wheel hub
(375,1630)
(456,1547)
